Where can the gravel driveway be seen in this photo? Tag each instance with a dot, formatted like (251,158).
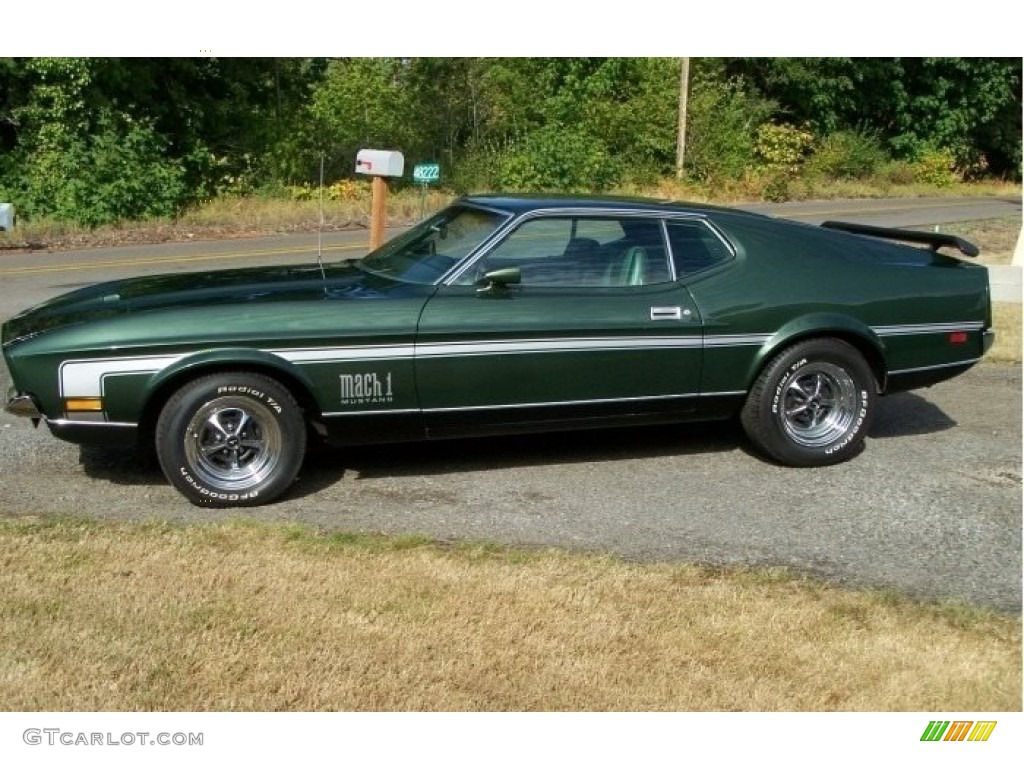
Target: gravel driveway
(932,507)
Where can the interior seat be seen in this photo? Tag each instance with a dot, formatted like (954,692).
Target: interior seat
(629,269)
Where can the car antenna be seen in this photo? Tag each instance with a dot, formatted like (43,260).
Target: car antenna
(320,227)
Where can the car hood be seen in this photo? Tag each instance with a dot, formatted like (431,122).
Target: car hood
(217,288)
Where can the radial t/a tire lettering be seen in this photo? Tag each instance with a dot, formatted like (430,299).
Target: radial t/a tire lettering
(812,405)
(231,439)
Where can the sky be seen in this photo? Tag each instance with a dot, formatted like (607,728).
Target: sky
(519,28)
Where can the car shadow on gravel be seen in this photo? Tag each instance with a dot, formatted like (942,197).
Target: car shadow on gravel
(898,415)
(124,466)
(325,466)
(131,467)
(321,468)
(907,413)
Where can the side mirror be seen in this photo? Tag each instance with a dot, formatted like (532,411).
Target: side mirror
(498,280)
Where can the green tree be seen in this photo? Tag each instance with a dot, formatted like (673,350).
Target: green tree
(80,159)
(969,106)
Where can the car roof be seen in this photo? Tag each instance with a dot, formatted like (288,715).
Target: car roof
(524,203)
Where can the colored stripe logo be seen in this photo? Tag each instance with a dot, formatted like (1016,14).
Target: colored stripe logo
(958,730)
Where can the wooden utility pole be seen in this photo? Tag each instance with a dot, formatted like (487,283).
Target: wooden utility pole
(684,92)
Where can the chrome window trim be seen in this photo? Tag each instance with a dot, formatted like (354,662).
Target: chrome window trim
(488,245)
(484,246)
(708,224)
(673,277)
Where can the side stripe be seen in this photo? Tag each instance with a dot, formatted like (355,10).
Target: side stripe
(84,378)
(925,328)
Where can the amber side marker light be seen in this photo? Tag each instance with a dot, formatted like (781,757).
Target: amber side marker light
(83,404)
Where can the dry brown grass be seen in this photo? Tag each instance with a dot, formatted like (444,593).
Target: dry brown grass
(263,215)
(752,188)
(225,218)
(244,617)
(996,238)
(1006,318)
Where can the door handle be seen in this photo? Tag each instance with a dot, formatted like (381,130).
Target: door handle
(668,313)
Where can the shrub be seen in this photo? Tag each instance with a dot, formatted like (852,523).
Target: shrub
(478,168)
(722,129)
(847,155)
(118,173)
(898,172)
(560,159)
(783,146)
(776,188)
(935,166)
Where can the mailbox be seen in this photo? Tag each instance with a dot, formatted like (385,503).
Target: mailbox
(380,162)
(6,217)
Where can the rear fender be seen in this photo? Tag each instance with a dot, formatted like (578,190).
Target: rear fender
(824,325)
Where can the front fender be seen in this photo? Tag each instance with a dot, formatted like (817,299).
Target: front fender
(218,359)
(162,384)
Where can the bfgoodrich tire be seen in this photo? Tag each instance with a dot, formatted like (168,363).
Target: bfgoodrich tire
(231,439)
(812,405)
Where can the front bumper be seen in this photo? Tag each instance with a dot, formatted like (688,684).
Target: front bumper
(22,405)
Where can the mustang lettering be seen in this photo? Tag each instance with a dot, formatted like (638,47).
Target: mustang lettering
(365,388)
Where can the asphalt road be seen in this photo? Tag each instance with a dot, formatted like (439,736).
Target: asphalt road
(932,507)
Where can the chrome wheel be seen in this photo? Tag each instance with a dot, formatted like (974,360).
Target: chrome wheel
(233,443)
(812,404)
(819,404)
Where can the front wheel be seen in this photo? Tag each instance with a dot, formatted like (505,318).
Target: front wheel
(231,439)
(812,405)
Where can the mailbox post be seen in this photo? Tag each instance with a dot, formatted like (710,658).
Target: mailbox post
(379,164)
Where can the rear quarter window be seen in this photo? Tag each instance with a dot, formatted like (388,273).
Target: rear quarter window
(695,247)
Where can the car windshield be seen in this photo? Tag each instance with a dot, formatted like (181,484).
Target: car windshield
(435,245)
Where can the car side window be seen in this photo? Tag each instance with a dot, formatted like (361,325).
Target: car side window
(580,252)
(695,247)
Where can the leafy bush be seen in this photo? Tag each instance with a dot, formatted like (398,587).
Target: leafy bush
(559,159)
(478,169)
(722,129)
(935,166)
(898,172)
(777,188)
(783,146)
(118,172)
(847,155)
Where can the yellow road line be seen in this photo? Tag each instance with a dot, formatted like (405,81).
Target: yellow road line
(114,263)
(117,263)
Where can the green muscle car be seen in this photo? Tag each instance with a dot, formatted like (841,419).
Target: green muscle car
(505,314)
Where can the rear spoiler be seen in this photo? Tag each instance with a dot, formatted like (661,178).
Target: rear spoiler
(934,239)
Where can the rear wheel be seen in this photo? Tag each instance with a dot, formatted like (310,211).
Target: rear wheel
(812,405)
(231,439)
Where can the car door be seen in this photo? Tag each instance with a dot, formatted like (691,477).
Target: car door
(581,322)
